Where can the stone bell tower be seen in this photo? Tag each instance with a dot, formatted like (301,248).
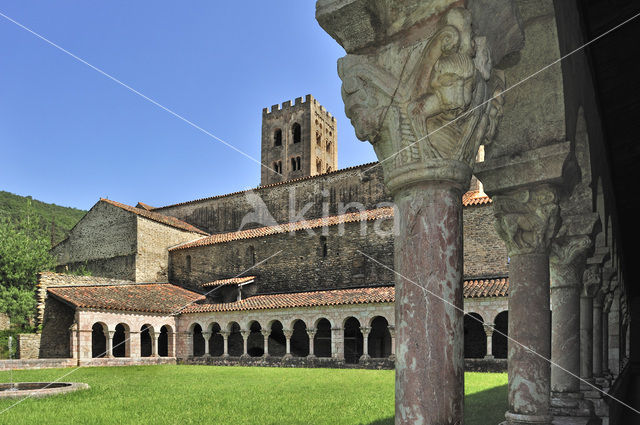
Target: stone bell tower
(298,140)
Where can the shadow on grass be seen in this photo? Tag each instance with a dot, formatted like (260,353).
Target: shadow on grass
(482,408)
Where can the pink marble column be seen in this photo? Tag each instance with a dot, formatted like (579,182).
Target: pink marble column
(488,330)
(311,333)
(225,343)
(429,325)
(287,334)
(265,336)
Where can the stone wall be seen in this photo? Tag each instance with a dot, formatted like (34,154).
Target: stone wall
(5,321)
(36,364)
(302,265)
(154,239)
(225,213)
(28,346)
(309,362)
(104,241)
(58,318)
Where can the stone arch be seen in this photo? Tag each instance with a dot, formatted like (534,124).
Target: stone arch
(299,339)
(255,340)
(277,137)
(197,340)
(353,340)
(322,338)
(216,341)
(235,340)
(164,340)
(379,345)
(121,340)
(499,341)
(99,334)
(277,341)
(296,132)
(146,340)
(475,339)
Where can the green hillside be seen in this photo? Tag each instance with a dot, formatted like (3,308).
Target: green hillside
(62,219)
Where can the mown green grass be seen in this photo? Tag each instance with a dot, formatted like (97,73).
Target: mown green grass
(234,395)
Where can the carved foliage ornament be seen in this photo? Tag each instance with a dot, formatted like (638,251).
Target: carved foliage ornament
(591,280)
(527,219)
(417,102)
(568,259)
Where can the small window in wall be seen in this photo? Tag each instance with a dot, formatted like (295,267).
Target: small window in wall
(188,264)
(277,167)
(298,163)
(329,169)
(295,164)
(324,247)
(319,166)
(277,137)
(251,254)
(296,131)
(318,139)
(328,147)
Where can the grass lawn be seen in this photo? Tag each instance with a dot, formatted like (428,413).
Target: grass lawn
(171,394)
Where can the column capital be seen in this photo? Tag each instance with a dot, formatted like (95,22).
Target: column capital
(591,280)
(265,332)
(287,333)
(225,334)
(392,331)
(365,330)
(311,333)
(568,259)
(111,333)
(427,118)
(245,333)
(527,218)
(206,335)
(488,329)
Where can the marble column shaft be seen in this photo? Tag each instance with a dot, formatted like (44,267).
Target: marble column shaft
(586,337)
(429,323)
(597,336)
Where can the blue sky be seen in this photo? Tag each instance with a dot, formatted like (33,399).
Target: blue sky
(69,135)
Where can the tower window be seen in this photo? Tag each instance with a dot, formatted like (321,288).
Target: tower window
(277,167)
(296,131)
(295,163)
(323,242)
(188,264)
(277,137)
(319,166)
(318,138)
(328,146)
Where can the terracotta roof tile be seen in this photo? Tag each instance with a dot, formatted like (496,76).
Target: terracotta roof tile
(486,288)
(231,281)
(160,218)
(150,297)
(301,299)
(144,206)
(475,197)
(289,227)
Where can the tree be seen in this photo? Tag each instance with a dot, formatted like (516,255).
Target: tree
(24,252)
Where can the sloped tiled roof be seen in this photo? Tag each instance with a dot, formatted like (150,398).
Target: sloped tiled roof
(160,218)
(167,298)
(301,299)
(486,288)
(289,227)
(143,297)
(475,197)
(144,206)
(231,281)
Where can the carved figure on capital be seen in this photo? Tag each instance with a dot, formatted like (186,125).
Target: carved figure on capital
(426,101)
(568,259)
(527,219)
(591,280)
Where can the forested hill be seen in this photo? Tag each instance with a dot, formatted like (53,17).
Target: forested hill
(62,219)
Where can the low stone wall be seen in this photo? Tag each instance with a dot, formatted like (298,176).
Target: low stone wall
(36,363)
(485,365)
(28,346)
(127,361)
(315,362)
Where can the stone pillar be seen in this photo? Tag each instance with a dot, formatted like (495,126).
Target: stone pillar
(265,336)
(225,343)
(110,343)
(245,339)
(312,334)
(586,337)
(154,343)
(392,331)
(488,330)
(337,344)
(365,343)
(287,335)
(206,336)
(526,220)
(614,335)
(605,335)
(567,263)
(74,341)
(402,112)
(85,349)
(597,335)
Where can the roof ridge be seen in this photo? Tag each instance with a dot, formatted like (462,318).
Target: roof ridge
(353,167)
(156,216)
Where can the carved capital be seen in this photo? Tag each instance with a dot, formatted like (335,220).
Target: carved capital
(568,259)
(424,105)
(365,330)
(265,333)
(527,219)
(287,333)
(488,329)
(606,303)
(591,280)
